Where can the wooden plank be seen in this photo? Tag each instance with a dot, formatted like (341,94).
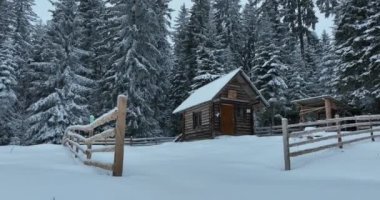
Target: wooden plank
(311,150)
(105,134)
(339,127)
(75,135)
(316,130)
(119,136)
(105,166)
(109,116)
(102,149)
(328,108)
(285,136)
(329,137)
(76,145)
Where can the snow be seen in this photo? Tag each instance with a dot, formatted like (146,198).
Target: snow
(207,92)
(244,168)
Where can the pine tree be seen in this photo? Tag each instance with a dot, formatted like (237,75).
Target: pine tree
(227,18)
(249,34)
(327,65)
(164,107)
(327,6)
(89,21)
(269,69)
(6,19)
(202,54)
(66,102)
(180,83)
(135,61)
(8,82)
(312,58)
(372,52)
(352,44)
(23,27)
(300,16)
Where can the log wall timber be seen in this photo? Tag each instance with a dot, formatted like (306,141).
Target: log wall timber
(204,127)
(73,140)
(341,138)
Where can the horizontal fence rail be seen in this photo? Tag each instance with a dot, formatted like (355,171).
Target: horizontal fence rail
(362,127)
(81,146)
(135,141)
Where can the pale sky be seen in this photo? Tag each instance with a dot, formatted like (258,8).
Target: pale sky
(42,7)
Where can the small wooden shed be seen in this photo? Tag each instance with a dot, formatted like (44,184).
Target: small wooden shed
(225,106)
(323,107)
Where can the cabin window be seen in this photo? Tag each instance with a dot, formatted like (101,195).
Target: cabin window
(197,119)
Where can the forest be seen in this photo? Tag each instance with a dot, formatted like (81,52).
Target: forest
(59,73)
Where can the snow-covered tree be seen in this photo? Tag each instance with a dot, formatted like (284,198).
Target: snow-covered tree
(180,83)
(357,45)
(300,16)
(66,102)
(227,19)
(24,17)
(136,31)
(249,34)
(164,107)
(89,21)
(327,65)
(268,72)
(8,96)
(202,58)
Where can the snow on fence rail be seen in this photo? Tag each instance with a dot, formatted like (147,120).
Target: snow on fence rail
(357,126)
(73,140)
(135,141)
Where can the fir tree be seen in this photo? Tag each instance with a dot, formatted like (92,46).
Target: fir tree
(327,65)
(227,19)
(269,69)
(89,21)
(202,57)
(24,17)
(180,83)
(300,16)
(356,49)
(8,82)
(136,61)
(249,34)
(65,104)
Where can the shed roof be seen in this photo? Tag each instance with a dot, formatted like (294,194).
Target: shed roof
(319,100)
(210,90)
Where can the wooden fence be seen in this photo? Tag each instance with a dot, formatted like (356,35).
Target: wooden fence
(362,127)
(73,140)
(135,141)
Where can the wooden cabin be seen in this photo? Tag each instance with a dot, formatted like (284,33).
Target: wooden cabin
(225,106)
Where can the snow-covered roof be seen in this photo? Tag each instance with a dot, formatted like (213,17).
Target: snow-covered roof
(313,100)
(210,90)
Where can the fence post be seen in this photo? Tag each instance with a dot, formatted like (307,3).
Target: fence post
(339,127)
(370,124)
(285,135)
(119,135)
(76,147)
(90,134)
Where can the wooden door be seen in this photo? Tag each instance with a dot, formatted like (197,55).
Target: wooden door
(227,119)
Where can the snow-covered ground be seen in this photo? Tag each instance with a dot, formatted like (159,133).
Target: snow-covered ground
(227,168)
